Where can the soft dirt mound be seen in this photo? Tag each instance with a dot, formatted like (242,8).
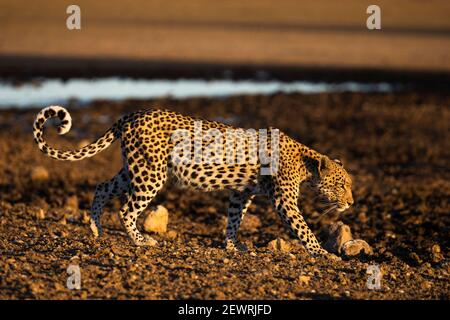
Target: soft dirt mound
(396,147)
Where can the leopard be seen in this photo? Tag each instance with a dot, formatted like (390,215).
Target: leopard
(148,154)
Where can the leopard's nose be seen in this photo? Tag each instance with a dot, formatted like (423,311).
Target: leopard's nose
(350,202)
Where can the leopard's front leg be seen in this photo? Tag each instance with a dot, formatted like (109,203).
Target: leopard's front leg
(283,195)
(290,214)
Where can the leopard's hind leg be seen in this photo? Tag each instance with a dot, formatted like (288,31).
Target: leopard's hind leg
(239,203)
(104,192)
(146,179)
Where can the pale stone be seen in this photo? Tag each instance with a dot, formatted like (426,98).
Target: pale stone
(157,220)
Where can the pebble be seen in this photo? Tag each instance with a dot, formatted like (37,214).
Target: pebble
(339,234)
(436,254)
(157,220)
(414,256)
(426,285)
(38,213)
(72,202)
(340,241)
(62,221)
(86,217)
(39,174)
(278,245)
(355,247)
(362,217)
(172,234)
(303,280)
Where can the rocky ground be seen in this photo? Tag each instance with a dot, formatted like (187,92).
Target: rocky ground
(395,146)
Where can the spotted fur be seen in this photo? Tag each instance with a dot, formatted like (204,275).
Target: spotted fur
(147,145)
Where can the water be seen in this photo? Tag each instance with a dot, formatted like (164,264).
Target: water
(53,91)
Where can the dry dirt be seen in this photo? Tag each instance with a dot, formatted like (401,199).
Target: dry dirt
(395,146)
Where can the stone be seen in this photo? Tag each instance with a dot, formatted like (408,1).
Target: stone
(415,257)
(303,280)
(40,214)
(278,245)
(172,234)
(340,241)
(362,217)
(63,220)
(355,247)
(436,254)
(85,217)
(72,202)
(339,233)
(39,174)
(37,212)
(157,220)
(426,285)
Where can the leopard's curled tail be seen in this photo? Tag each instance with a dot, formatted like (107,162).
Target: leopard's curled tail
(66,122)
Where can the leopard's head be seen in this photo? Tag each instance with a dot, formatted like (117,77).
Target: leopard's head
(334,184)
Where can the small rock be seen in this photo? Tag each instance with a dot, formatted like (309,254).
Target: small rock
(39,174)
(340,241)
(37,212)
(342,279)
(72,202)
(426,285)
(157,220)
(172,234)
(226,261)
(436,254)
(59,287)
(355,247)
(86,217)
(35,288)
(339,233)
(62,221)
(362,217)
(303,280)
(253,254)
(278,245)
(415,257)
(40,214)
(250,222)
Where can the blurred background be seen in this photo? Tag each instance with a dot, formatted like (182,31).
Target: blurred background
(203,38)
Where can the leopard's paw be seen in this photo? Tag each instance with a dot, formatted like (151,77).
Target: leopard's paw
(238,246)
(146,241)
(97,231)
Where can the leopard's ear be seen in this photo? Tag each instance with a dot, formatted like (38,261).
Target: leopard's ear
(339,162)
(324,165)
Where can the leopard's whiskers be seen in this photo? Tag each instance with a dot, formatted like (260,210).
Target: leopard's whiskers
(332,207)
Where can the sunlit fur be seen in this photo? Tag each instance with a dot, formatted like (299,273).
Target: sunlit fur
(334,185)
